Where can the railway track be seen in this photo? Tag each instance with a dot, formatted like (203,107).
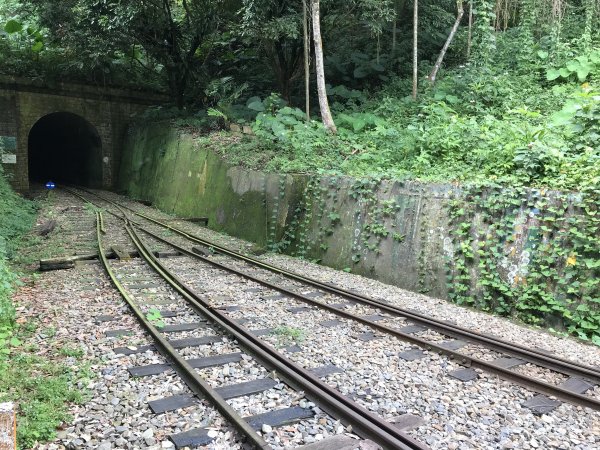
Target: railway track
(456,342)
(184,304)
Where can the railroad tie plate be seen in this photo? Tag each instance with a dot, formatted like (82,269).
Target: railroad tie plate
(455,344)
(368,336)
(374,317)
(325,371)
(104,318)
(198,436)
(338,442)
(540,404)
(229,308)
(293,349)
(331,323)
(508,363)
(576,385)
(212,361)
(246,388)
(182,327)
(464,375)
(412,329)
(172,403)
(195,342)
(412,354)
(407,422)
(314,294)
(344,305)
(242,320)
(263,331)
(118,333)
(298,309)
(169,314)
(280,417)
(148,370)
(132,350)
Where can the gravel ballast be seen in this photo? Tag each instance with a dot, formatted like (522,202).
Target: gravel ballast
(486,413)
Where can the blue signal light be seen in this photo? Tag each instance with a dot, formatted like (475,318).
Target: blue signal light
(50,185)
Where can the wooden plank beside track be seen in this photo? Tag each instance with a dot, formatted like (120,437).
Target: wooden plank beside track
(64,262)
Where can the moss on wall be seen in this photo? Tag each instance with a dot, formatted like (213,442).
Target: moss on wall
(512,251)
(168,168)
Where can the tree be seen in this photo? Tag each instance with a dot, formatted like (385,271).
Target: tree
(306,58)
(440,59)
(273,26)
(320,70)
(173,34)
(415,84)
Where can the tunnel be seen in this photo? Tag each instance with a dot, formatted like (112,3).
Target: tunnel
(65,148)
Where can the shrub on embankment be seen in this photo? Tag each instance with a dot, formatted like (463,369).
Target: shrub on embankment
(40,386)
(16,218)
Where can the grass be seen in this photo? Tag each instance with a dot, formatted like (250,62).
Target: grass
(42,390)
(70,351)
(41,386)
(286,335)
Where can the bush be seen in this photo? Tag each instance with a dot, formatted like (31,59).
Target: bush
(16,217)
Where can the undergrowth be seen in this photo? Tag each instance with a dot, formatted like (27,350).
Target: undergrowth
(41,387)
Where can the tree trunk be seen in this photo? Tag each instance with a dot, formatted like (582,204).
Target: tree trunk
(415,48)
(176,87)
(323,103)
(438,63)
(394,34)
(469,36)
(285,58)
(306,59)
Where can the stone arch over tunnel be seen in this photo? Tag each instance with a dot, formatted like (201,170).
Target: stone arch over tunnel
(65,148)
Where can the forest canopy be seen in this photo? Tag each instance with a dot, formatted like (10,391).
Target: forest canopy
(443,90)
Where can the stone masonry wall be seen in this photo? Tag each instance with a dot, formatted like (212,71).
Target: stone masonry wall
(109,111)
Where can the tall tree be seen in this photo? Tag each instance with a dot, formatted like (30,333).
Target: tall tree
(440,59)
(415,83)
(174,33)
(470,32)
(306,58)
(320,69)
(273,26)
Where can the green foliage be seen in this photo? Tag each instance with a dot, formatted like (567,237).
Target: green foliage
(40,387)
(581,68)
(155,317)
(43,390)
(287,335)
(559,285)
(16,217)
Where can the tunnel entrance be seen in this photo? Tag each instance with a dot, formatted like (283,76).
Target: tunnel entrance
(65,148)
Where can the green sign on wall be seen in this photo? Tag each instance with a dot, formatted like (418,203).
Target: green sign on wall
(8,146)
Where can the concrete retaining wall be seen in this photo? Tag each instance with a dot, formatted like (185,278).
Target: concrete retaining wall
(399,233)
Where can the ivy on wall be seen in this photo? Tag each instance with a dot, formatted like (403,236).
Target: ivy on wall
(529,254)
(518,252)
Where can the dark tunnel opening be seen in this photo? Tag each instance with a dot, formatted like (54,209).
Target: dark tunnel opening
(65,148)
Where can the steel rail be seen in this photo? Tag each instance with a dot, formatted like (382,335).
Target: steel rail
(523,380)
(364,422)
(182,367)
(534,356)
